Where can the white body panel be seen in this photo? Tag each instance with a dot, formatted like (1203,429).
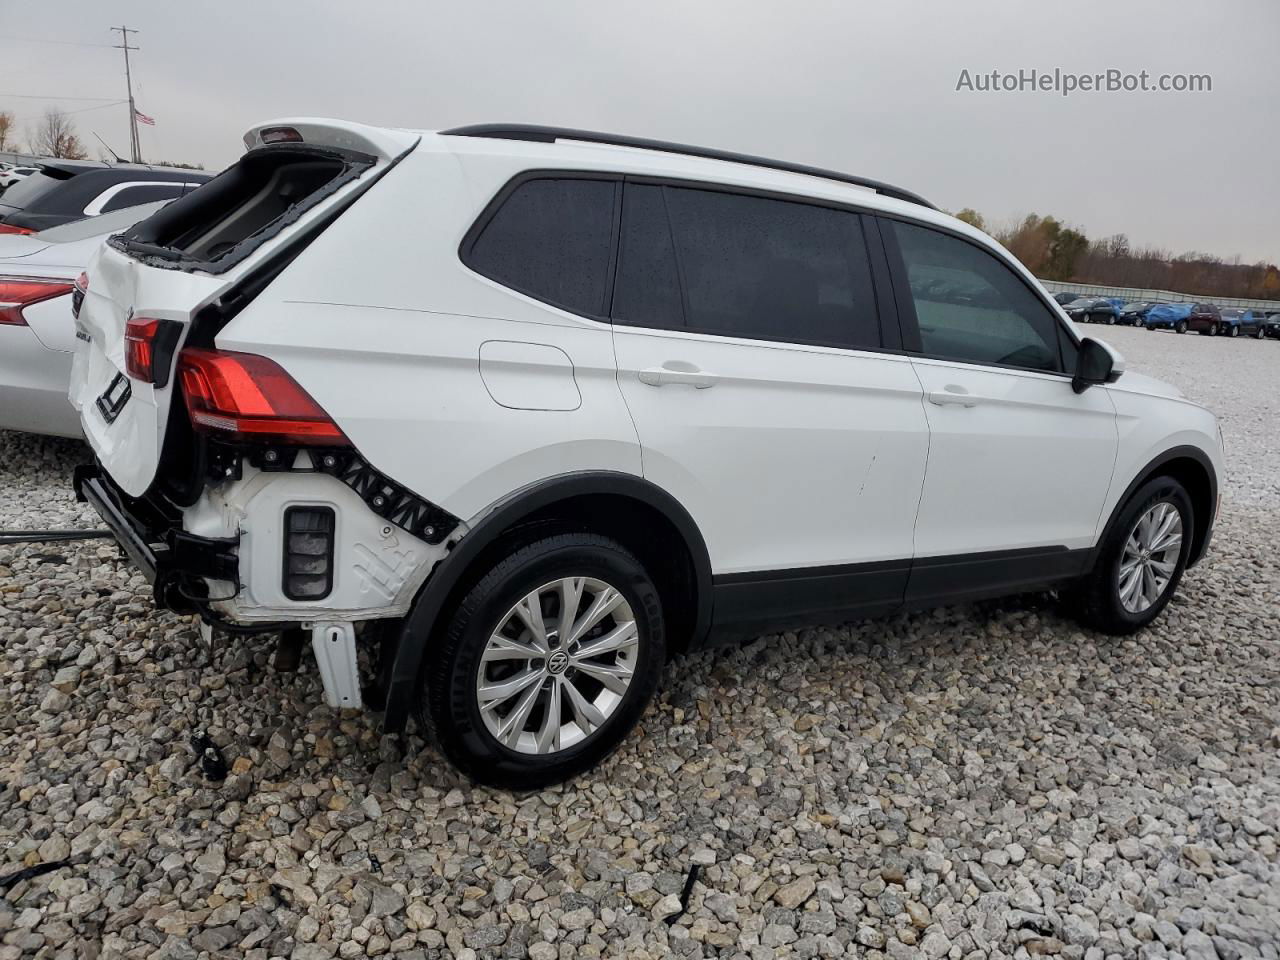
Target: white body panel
(1016,459)
(791,457)
(382,569)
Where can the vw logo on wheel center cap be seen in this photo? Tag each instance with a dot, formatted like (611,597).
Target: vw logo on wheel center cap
(557,662)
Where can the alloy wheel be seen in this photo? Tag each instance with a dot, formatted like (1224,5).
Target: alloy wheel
(558,665)
(1150,557)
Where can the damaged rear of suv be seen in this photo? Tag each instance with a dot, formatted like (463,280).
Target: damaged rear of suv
(194,441)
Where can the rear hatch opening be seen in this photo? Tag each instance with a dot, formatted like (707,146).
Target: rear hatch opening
(219,225)
(186,271)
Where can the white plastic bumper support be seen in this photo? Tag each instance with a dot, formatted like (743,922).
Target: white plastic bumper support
(334,643)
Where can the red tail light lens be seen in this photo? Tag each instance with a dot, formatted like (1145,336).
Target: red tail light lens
(19,292)
(243,396)
(148,349)
(10,228)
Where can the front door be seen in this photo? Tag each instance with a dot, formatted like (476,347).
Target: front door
(1019,463)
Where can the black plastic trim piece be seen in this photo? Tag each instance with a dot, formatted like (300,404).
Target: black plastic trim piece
(763,602)
(771,600)
(546,134)
(287,552)
(1186,452)
(425,615)
(961,578)
(384,496)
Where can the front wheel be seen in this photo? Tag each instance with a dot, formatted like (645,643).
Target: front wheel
(1181,327)
(1235,331)
(1110,320)
(548,663)
(1141,561)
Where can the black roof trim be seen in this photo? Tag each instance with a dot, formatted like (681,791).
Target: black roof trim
(540,134)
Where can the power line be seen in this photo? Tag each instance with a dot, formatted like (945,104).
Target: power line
(44,96)
(66,43)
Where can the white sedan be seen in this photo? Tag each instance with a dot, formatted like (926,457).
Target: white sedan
(37,334)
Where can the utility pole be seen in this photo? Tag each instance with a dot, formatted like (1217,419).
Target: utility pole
(135,147)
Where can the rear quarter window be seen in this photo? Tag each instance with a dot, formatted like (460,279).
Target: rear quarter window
(551,239)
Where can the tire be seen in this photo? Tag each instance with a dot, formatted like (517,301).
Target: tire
(1181,327)
(1111,320)
(1235,331)
(450,696)
(1098,599)
(1257,334)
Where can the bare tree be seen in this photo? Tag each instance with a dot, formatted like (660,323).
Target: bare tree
(54,136)
(6,130)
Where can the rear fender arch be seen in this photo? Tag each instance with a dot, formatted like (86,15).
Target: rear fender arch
(429,608)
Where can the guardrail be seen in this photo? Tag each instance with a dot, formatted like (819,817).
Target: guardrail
(1134,294)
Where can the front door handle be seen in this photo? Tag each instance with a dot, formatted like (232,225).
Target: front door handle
(953,396)
(678,372)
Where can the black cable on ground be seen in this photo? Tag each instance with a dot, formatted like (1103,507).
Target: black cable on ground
(50,536)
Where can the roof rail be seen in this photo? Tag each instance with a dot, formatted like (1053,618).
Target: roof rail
(540,134)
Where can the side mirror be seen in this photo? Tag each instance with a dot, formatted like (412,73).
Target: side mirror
(1096,363)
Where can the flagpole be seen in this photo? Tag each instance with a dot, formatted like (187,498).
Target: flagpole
(135,145)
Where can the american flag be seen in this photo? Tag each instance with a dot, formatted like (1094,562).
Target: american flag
(143,118)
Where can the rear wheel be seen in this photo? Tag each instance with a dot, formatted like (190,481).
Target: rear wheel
(1181,327)
(1111,319)
(1141,561)
(1234,331)
(1257,334)
(548,663)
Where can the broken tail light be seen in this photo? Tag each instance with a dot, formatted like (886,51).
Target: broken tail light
(247,397)
(78,293)
(19,292)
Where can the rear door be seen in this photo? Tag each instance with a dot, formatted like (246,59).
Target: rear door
(1019,463)
(194,252)
(752,359)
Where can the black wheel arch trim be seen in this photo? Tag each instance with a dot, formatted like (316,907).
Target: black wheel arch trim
(1183,452)
(425,614)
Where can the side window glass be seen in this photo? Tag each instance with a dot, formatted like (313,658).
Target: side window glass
(551,239)
(132,196)
(744,266)
(970,306)
(647,291)
(772,269)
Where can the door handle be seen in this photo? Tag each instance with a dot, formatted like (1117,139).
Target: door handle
(953,396)
(678,372)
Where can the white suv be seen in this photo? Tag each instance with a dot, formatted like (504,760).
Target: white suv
(538,409)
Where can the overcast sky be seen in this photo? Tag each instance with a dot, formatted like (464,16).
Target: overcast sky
(865,87)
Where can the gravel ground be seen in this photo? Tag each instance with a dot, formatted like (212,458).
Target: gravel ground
(977,781)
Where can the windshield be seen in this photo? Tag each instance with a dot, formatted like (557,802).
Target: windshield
(1081,302)
(1232,313)
(26,191)
(112,222)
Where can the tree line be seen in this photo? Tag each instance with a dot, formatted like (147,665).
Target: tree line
(1054,251)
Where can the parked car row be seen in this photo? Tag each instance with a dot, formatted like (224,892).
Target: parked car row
(1206,319)
(11,173)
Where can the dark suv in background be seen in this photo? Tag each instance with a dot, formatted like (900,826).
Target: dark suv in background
(66,190)
(1205,319)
